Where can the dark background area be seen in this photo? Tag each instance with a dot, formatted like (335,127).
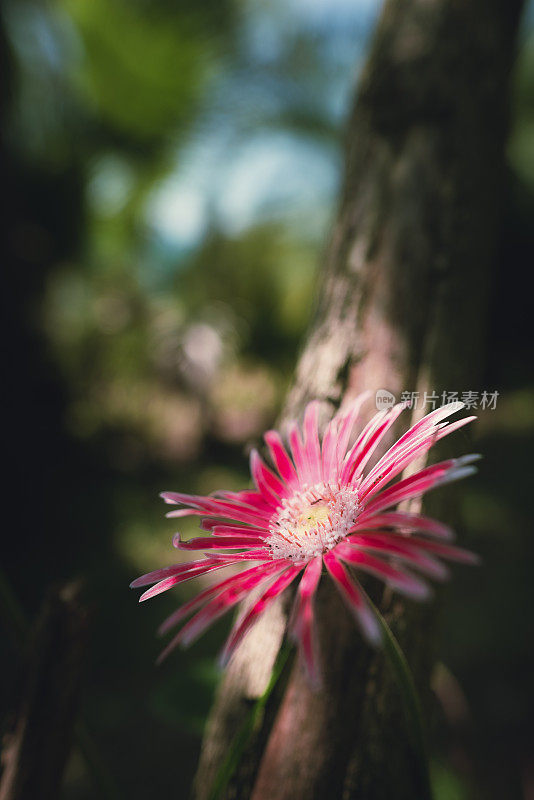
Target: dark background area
(168,193)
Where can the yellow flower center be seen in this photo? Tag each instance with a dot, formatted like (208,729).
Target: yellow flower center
(312,516)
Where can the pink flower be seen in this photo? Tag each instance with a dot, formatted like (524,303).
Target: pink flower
(320,508)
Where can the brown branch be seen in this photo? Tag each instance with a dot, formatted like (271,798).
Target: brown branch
(402,306)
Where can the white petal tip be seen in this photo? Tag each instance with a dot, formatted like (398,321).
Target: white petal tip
(370,628)
(138,582)
(456,474)
(416,591)
(472,559)
(471,458)
(223,659)
(166,496)
(464,472)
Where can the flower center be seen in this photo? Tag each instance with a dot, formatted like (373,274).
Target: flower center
(312,521)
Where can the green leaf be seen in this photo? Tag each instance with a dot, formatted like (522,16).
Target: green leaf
(410,702)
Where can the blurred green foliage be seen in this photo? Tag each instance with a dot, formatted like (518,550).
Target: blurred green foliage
(145,64)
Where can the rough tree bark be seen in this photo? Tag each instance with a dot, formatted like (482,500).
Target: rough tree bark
(402,306)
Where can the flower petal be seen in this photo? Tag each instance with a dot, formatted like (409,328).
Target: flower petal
(238,584)
(378,428)
(216,542)
(275,589)
(240,528)
(417,440)
(406,522)
(394,577)
(346,420)
(184,512)
(312,447)
(303,621)
(174,580)
(354,598)
(247,497)
(381,542)
(167,572)
(447,551)
(259,554)
(270,487)
(403,548)
(222,508)
(298,453)
(281,460)
(235,530)
(329,447)
(227,599)
(419,483)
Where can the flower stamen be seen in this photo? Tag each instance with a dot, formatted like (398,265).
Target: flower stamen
(312,521)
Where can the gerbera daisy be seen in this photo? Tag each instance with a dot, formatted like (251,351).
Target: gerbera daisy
(321,508)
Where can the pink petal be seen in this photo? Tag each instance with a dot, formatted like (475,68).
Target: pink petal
(167,572)
(310,579)
(241,528)
(354,598)
(454,426)
(259,554)
(211,505)
(402,581)
(447,551)
(405,521)
(248,498)
(330,465)
(274,590)
(272,490)
(235,530)
(419,483)
(184,512)
(303,622)
(233,582)
(227,599)
(174,580)
(425,432)
(281,460)
(355,453)
(376,436)
(336,438)
(404,548)
(405,489)
(215,542)
(299,455)
(311,441)
(431,420)
(387,469)
(346,421)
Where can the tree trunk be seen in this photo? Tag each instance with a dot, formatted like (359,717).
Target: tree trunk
(402,306)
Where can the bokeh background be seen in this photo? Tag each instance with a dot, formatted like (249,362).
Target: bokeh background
(170,174)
